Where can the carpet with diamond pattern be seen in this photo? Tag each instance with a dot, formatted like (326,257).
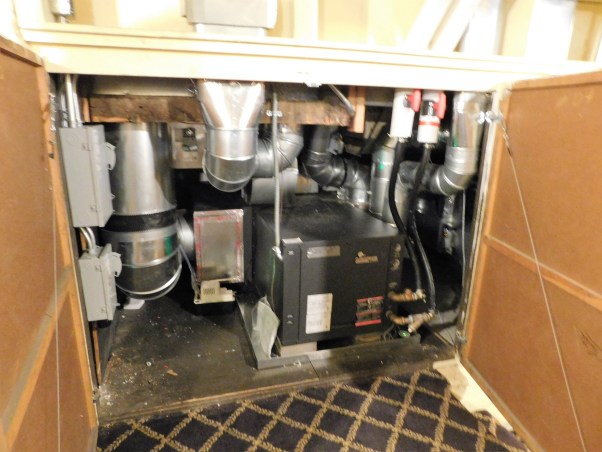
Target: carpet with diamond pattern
(405,413)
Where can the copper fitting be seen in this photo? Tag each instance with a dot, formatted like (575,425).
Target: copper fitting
(419,319)
(397,319)
(407,295)
(414,321)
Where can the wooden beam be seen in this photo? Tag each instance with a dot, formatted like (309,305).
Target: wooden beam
(357,97)
(187,110)
(144,109)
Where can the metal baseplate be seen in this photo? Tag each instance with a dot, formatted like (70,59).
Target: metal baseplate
(381,350)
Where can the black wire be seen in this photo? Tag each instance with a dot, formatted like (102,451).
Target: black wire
(426,156)
(399,154)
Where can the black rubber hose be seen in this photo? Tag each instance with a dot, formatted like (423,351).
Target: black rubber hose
(426,156)
(398,158)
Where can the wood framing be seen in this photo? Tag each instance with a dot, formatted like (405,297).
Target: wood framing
(186,109)
(357,97)
(81,49)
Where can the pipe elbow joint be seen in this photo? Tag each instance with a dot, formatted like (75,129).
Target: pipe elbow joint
(456,173)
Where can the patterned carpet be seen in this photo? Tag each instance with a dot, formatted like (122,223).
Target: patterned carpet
(407,413)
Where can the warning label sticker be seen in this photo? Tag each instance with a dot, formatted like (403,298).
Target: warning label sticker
(319,312)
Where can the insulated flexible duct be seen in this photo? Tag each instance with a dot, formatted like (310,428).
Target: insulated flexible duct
(231,113)
(331,170)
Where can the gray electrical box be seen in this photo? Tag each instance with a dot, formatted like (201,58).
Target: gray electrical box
(87,159)
(98,272)
(237,13)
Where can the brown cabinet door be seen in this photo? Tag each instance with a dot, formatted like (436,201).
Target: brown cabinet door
(534,328)
(45,386)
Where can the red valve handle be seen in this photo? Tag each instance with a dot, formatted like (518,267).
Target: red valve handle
(440,106)
(414,100)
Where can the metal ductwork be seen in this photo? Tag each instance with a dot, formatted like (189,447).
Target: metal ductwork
(262,188)
(382,164)
(331,170)
(143,226)
(462,153)
(290,143)
(231,113)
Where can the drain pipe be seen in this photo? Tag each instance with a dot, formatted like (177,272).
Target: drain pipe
(330,170)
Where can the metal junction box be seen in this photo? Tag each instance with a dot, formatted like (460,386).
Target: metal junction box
(337,265)
(87,159)
(98,273)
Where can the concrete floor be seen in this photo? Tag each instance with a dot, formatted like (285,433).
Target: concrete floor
(167,358)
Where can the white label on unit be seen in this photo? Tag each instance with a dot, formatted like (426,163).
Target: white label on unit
(319,311)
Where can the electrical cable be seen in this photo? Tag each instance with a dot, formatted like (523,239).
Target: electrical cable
(426,156)
(399,154)
(193,278)
(346,103)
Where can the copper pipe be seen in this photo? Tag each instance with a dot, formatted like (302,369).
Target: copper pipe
(407,295)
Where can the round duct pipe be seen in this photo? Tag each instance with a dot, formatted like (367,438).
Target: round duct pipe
(231,113)
(142,181)
(143,228)
(290,143)
(339,171)
(382,164)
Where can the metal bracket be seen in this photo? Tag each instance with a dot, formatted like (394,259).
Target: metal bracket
(498,118)
(276,113)
(491,117)
(460,338)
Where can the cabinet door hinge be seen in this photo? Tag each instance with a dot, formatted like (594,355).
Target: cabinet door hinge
(492,117)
